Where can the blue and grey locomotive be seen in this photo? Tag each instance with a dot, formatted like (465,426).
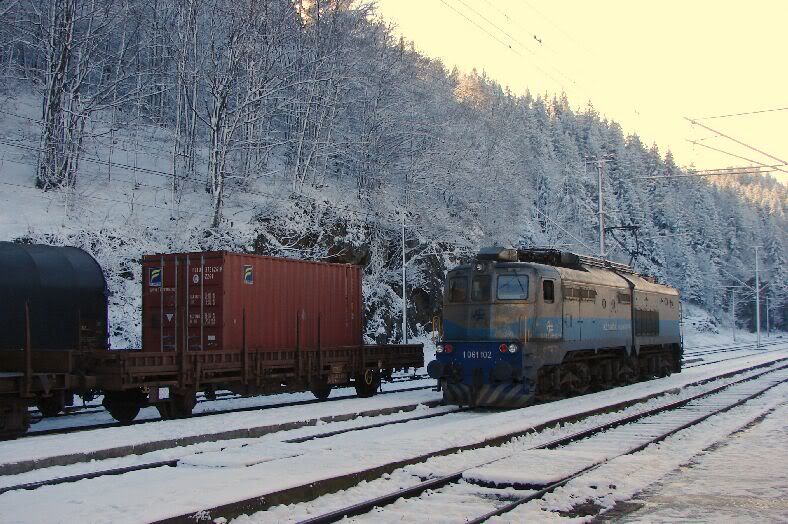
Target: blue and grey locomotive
(522,324)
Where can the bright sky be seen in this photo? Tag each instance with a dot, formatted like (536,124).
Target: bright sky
(645,65)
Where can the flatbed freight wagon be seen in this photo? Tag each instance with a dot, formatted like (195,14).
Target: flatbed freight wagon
(215,321)
(250,324)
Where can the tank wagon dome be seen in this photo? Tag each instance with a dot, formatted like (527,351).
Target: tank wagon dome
(66,292)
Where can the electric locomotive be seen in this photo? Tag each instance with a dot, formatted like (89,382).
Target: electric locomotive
(526,324)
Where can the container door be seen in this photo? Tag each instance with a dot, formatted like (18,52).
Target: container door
(203,287)
(160,304)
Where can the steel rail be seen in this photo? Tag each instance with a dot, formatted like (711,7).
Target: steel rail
(640,447)
(201,398)
(732,358)
(325,486)
(174,462)
(414,491)
(103,425)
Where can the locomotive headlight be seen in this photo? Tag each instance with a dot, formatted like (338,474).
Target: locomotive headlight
(512,348)
(439,348)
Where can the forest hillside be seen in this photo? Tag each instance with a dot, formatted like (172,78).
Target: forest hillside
(308,130)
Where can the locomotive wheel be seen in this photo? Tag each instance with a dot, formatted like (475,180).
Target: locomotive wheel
(368,384)
(124,406)
(51,406)
(665,368)
(321,391)
(628,372)
(575,379)
(626,377)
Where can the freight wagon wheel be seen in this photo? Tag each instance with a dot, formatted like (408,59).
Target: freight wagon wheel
(179,405)
(368,384)
(14,420)
(321,391)
(124,406)
(51,406)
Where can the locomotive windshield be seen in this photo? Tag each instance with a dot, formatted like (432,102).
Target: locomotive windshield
(512,287)
(458,289)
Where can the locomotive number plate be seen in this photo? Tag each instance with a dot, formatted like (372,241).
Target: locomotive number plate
(477,354)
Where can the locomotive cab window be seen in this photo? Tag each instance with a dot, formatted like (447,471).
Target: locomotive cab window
(512,287)
(548,291)
(480,288)
(458,289)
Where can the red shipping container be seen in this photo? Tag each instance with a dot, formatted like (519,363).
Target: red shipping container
(220,301)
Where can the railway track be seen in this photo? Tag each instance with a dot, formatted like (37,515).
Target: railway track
(693,352)
(388,420)
(325,432)
(704,363)
(93,407)
(102,425)
(88,427)
(286,498)
(697,351)
(501,481)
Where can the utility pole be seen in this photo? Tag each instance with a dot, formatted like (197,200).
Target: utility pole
(404,298)
(733,309)
(757,300)
(600,164)
(733,313)
(601,212)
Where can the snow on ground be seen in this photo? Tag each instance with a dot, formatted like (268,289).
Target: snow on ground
(54,445)
(154,494)
(220,453)
(701,329)
(744,480)
(534,468)
(448,504)
(620,479)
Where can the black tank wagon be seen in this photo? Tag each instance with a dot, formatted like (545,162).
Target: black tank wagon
(66,296)
(540,323)
(53,302)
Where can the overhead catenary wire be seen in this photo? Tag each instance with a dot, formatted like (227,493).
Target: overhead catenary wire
(746,113)
(512,37)
(762,164)
(714,170)
(506,45)
(741,143)
(564,230)
(699,175)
